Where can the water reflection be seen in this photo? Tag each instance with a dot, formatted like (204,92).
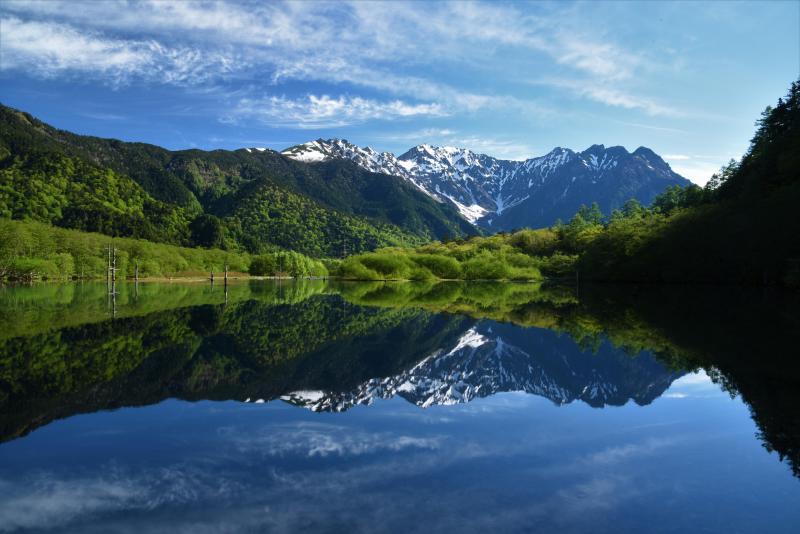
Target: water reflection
(490,358)
(511,377)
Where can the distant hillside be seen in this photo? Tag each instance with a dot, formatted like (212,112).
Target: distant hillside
(243,199)
(498,194)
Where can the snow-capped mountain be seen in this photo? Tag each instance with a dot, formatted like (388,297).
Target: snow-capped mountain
(503,194)
(491,358)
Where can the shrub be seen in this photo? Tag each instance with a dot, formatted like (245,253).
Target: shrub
(485,266)
(32,269)
(558,264)
(353,269)
(263,265)
(438,265)
(535,242)
(387,264)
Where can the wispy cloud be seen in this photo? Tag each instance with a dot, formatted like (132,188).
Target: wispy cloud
(51,49)
(362,44)
(500,148)
(653,127)
(100,116)
(324,111)
(610,94)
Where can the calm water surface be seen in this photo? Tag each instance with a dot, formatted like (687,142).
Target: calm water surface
(323,407)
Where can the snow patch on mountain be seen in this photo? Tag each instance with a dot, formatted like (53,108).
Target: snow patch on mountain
(473,213)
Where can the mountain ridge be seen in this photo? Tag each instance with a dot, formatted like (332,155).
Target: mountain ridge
(499,194)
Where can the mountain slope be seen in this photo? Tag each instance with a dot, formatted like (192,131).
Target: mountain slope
(501,194)
(361,210)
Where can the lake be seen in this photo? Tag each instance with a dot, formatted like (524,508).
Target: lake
(316,406)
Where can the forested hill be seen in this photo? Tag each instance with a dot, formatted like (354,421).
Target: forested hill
(247,200)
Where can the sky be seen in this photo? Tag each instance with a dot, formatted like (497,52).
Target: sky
(512,80)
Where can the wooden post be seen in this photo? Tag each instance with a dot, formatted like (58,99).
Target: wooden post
(136,271)
(226,274)
(212,277)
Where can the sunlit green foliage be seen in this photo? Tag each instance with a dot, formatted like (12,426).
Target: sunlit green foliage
(523,255)
(286,264)
(68,192)
(272,217)
(31,250)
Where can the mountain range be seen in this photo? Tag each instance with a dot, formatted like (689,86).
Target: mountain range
(497,194)
(323,198)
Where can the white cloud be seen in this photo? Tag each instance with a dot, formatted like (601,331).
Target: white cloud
(324,111)
(697,172)
(619,98)
(50,49)
(362,44)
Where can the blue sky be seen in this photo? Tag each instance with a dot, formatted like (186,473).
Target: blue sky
(511,80)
